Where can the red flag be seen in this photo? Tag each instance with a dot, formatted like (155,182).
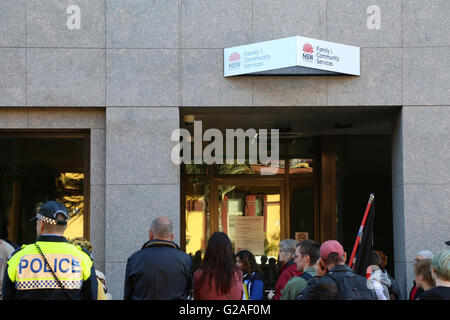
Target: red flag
(365,247)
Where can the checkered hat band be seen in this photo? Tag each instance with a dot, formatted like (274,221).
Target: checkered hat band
(47,284)
(46,219)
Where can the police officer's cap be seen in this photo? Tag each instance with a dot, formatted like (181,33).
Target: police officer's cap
(50,211)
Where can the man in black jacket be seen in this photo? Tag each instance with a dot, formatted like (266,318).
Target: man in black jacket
(160,270)
(334,279)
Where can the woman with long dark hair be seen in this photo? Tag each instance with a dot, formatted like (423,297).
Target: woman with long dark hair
(253,279)
(218,277)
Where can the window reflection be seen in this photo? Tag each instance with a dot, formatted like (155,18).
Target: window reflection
(301,156)
(197,215)
(191,168)
(250,169)
(69,188)
(34,170)
(300,166)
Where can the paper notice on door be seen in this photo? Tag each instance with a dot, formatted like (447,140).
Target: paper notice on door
(249,234)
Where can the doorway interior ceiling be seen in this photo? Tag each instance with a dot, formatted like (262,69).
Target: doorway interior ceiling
(298,121)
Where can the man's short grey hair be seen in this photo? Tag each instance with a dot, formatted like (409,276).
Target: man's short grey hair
(161,228)
(288,245)
(426,254)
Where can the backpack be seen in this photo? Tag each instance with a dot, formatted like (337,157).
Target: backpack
(352,286)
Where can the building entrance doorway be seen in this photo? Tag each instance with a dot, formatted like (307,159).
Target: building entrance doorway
(256,211)
(252,211)
(330,161)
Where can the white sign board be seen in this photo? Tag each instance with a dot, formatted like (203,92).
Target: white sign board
(291,52)
(249,234)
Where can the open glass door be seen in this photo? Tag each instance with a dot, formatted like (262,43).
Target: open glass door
(197,215)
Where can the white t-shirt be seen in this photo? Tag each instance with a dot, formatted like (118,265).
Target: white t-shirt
(5,252)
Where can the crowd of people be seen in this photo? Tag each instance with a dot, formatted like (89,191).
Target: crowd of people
(305,270)
(54,268)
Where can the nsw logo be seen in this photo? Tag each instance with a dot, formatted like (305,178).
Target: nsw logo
(308,52)
(234,61)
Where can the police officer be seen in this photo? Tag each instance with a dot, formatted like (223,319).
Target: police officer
(50,268)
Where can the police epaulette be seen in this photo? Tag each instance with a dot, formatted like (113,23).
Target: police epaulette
(85,251)
(17,250)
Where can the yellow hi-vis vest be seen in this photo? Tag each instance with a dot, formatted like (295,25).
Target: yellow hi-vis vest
(28,271)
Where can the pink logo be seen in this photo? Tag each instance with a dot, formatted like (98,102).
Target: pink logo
(234,57)
(308,48)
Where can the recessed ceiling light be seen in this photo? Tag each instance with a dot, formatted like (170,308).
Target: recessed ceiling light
(189,119)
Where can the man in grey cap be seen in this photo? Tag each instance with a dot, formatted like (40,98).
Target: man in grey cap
(415,291)
(160,270)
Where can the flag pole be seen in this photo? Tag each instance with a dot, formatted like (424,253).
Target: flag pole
(358,236)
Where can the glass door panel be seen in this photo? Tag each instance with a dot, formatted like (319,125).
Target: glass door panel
(197,217)
(251,216)
(302,210)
